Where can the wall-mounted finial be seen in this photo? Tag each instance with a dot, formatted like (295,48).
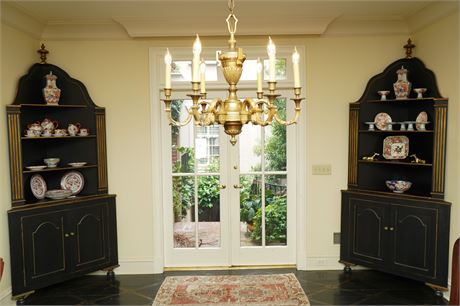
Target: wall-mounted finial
(43,52)
(409,46)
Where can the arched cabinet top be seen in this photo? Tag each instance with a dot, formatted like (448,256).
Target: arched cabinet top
(418,75)
(30,87)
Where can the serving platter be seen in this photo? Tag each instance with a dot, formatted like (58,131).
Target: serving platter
(396,147)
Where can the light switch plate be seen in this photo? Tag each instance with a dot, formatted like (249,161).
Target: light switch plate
(322,169)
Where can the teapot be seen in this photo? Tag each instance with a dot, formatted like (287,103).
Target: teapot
(49,125)
(35,127)
(73,129)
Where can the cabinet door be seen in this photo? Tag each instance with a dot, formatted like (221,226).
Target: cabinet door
(414,239)
(44,248)
(88,228)
(367,234)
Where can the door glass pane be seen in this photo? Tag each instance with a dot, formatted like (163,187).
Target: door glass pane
(275,209)
(183,210)
(207,149)
(182,71)
(182,148)
(250,148)
(250,208)
(275,141)
(208,211)
(280,69)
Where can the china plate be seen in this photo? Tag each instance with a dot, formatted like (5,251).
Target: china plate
(77,164)
(395,147)
(421,118)
(381,121)
(33,168)
(73,181)
(38,186)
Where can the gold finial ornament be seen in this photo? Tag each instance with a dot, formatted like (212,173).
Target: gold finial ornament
(409,46)
(43,52)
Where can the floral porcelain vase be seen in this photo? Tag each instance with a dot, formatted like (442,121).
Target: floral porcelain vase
(402,85)
(51,92)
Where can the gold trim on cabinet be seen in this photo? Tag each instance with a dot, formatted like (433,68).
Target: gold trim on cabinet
(439,150)
(353,146)
(14,134)
(79,263)
(101,151)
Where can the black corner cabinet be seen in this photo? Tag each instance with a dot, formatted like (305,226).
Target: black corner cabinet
(55,240)
(407,233)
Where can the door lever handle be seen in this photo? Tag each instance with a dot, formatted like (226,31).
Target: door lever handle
(237,186)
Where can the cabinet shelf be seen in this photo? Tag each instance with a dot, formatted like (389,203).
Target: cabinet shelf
(58,169)
(57,137)
(410,100)
(399,163)
(53,106)
(395,131)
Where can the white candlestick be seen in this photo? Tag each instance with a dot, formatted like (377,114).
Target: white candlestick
(271,50)
(196,60)
(259,75)
(168,61)
(295,64)
(203,76)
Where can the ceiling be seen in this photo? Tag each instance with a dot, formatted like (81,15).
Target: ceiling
(64,19)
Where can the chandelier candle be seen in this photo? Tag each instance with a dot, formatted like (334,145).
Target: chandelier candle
(168,61)
(233,112)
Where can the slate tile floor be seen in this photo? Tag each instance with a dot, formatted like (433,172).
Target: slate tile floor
(363,287)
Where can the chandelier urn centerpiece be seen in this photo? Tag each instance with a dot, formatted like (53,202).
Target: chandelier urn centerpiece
(232,112)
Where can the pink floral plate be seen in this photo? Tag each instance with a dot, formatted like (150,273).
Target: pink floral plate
(38,186)
(381,121)
(73,181)
(396,147)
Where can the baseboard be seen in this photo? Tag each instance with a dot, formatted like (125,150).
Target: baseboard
(446,294)
(5,297)
(323,263)
(133,266)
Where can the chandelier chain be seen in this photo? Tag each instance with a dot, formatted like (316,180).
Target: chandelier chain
(231,6)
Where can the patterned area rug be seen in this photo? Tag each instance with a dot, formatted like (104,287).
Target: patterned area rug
(273,289)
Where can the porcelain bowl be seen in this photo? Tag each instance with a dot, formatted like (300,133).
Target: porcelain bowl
(398,186)
(51,162)
(58,194)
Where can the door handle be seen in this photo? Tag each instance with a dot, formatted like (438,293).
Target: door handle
(237,186)
(223,186)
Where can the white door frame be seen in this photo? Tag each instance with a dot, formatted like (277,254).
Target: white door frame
(156,63)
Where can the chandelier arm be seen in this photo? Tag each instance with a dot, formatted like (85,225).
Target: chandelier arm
(256,111)
(178,123)
(296,114)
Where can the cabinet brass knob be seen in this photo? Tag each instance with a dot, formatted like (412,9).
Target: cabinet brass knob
(385,228)
(72,233)
(223,186)
(66,235)
(237,186)
(391,228)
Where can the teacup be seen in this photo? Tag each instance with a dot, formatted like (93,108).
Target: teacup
(47,133)
(83,132)
(60,132)
(32,133)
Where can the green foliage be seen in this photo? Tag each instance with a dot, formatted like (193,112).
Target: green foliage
(249,202)
(275,221)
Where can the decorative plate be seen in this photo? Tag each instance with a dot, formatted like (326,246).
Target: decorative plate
(35,168)
(395,147)
(381,121)
(38,186)
(77,164)
(421,118)
(73,181)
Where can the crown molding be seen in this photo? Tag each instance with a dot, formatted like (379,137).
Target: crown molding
(367,26)
(430,14)
(13,16)
(88,30)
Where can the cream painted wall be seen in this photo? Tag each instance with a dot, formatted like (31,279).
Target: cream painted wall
(17,55)
(117,76)
(443,36)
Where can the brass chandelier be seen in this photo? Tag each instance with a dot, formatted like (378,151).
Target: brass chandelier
(232,113)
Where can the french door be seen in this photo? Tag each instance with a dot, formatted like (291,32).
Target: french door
(228,205)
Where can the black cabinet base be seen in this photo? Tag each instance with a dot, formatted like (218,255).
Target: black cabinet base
(50,244)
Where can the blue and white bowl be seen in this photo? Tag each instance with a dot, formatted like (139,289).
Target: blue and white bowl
(398,186)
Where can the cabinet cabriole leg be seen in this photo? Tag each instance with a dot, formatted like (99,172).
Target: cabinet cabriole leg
(21,299)
(347,269)
(110,274)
